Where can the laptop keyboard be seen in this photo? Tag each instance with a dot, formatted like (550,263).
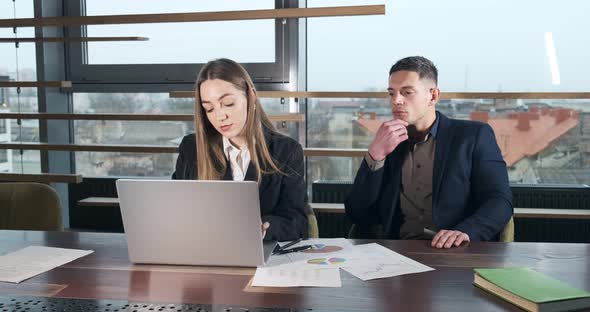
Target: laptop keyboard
(45,304)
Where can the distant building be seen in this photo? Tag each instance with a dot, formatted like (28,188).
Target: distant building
(528,140)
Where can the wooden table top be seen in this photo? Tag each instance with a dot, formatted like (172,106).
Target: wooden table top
(108,274)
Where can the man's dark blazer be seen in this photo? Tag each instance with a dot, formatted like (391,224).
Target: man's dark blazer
(283,198)
(470,190)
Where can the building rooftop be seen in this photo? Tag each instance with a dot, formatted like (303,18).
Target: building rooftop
(519,134)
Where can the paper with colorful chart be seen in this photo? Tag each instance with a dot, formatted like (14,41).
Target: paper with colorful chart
(281,276)
(279,271)
(367,262)
(318,266)
(321,248)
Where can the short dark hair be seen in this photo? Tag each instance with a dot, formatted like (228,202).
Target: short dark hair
(419,64)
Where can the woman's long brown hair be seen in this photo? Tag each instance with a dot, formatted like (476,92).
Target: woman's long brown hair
(211,162)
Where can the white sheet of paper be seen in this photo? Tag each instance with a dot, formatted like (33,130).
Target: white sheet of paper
(372,261)
(295,277)
(342,243)
(20,265)
(359,256)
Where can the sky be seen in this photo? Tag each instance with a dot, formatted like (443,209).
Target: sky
(484,45)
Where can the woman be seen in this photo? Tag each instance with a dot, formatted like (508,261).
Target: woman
(235,140)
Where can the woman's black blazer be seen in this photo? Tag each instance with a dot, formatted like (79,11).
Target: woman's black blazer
(283,198)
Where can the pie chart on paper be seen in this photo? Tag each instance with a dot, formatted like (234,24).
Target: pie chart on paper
(322,248)
(336,260)
(326,261)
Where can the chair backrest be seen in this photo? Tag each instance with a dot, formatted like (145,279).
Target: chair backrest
(507,234)
(29,206)
(312,222)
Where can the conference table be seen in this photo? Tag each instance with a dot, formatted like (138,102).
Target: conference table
(108,281)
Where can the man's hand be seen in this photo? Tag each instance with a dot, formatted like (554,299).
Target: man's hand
(388,137)
(263,228)
(448,239)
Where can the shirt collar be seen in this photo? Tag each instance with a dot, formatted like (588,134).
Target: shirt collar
(431,133)
(434,129)
(229,147)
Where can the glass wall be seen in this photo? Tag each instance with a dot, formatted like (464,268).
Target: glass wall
(175,52)
(154,133)
(184,43)
(161,133)
(481,46)
(478,46)
(18,64)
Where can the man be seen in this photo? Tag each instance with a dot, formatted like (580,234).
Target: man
(426,176)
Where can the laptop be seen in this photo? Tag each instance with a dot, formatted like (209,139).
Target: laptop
(188,222)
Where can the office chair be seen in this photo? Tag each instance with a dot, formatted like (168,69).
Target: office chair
(29,206)
(312,223)
(507,234)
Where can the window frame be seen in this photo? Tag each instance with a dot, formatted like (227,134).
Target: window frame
(277,75)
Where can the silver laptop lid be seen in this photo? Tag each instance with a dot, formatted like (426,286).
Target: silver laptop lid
(192,222)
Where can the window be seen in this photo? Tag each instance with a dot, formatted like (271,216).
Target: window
(486,46)
(482,46)
(162,133)
(3,156)
(111,77)
(24,57)
(19,64)
(478,46)
(175,50)
(182,43)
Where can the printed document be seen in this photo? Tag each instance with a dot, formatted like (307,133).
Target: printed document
(372,261)
(293,277)
(20,265)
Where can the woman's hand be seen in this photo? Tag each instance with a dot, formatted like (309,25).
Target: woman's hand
(264,227)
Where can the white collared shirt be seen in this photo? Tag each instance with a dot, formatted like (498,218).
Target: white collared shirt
(239,159)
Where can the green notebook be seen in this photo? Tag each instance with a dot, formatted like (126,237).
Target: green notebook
(531,290)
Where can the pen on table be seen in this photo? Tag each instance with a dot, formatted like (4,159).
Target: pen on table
(294,249)
(429,233)
(287,245)
(279,248)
